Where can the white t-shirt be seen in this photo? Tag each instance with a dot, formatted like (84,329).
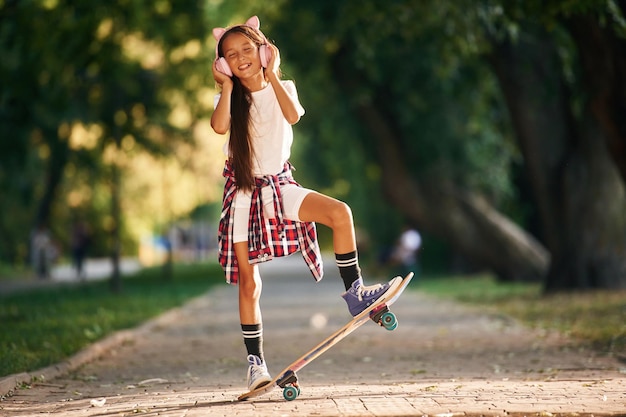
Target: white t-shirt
(272,135)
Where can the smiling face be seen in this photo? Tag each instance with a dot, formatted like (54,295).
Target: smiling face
(241,54)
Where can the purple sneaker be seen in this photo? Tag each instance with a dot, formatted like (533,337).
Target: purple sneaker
(359,297)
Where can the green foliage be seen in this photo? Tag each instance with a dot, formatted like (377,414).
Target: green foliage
(419,62)
(123,68)
(43,327)
(116,69)
(425,66)
(596,319)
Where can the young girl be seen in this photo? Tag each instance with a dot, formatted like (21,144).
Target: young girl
(265,212)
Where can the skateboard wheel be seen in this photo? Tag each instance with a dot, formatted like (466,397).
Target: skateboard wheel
(290,393)
(389,321)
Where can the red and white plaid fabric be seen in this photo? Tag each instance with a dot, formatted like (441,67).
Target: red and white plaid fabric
(267,238)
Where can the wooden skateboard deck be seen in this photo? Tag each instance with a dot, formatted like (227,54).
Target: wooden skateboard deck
(379,312)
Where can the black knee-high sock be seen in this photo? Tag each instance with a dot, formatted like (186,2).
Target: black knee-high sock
(253,339)
(349,269)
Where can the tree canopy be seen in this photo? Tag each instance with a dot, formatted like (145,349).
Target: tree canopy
(493,127)
(87,88)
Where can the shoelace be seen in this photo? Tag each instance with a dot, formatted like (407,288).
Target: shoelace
(257,367)
(254,360)
(367,291)
(256,371)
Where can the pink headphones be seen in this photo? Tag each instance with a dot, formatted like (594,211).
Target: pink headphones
(264,51)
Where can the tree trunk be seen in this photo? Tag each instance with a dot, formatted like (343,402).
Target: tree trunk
(581,200)
(116,276)
(603,62)
(59,154)
(594,246)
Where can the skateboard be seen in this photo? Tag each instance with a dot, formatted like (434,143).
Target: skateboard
(378,312)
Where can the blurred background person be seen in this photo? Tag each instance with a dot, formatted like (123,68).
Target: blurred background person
(405,252)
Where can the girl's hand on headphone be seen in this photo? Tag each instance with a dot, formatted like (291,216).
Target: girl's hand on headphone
(219,76)
(274,61)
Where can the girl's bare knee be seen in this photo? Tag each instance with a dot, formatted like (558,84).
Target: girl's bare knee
(250,289)
(341,214)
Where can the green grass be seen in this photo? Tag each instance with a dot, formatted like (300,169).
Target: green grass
(595,318)
(45,326)
(11,272)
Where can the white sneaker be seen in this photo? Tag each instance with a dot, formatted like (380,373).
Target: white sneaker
(257,373)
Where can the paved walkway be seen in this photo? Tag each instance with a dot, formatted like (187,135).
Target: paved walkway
(444,359)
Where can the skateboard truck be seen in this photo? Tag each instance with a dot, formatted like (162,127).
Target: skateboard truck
(289,377)
(289,383)
(383,317)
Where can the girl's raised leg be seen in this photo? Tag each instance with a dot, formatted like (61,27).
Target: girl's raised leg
(337,215)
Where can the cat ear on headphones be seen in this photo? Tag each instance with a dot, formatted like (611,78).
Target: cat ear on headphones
(254,22)
(218,33)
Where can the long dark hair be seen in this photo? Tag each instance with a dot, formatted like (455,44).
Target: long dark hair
(240,145)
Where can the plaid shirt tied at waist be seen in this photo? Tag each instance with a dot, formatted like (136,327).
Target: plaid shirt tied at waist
(267,238)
